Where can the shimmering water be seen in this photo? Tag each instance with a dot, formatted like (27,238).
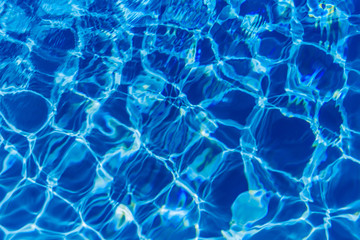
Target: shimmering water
(179,119)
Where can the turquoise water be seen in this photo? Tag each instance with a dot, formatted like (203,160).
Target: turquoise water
(213,119)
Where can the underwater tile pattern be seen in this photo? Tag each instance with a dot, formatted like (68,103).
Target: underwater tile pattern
(179,119)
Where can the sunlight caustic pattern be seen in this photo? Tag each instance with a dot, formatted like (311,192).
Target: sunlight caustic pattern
(204,119)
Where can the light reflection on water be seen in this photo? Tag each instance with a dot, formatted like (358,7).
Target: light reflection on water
(179,119)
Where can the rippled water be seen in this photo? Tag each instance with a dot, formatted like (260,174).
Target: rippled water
(213,119)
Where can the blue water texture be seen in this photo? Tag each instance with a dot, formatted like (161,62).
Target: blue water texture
(180,119)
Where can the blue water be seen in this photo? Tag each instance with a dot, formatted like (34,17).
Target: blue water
(179,119)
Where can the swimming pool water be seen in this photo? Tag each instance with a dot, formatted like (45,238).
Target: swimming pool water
(179,119)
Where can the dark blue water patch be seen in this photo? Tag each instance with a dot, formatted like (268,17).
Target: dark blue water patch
(234,27)
(11,168)
(228,135)
(55,143)
(204,53)
(123,44)
(241,67)
(89,88)
(178,197)
(23,207)
(331,155)
(237,48)
(57,221)
(18,36)
(313,34)
(290,209)
(10,50)
(2,234)
(171,66)
(107,23)
(317,219)
(285,185)
(317,190)
(43,64)
(93,70)
(139,31)
(131,70)
(353,81)
(262,176)
(97,210)
(116,106)
(20,142)
(318,234)
(230,39)
(183,40)
(35,234)
(42,84)
(342,187)
(316,64)
(226,188)
(3,192)
(26,111)
(30,7)
(285,143)
(137,42)
(170,91)
(330,116)
(71,111)
(144,211)
(201,86)
(74,184)
(147,178)
(339,230)
(300,229)
(102,6)
(299,3)
(59,40)
(277,81)
(352,51)
(352,108)
(254,7)
(265,82)
(31,167)
(235,105)
(212,222)
(118,187)
(89,65)
(220,35)
(220,5)
(164,132)
(274,45)
(294,104)
(354,20)
(85,233)
(99,44)
(352,7)
(168,229)
(129,232)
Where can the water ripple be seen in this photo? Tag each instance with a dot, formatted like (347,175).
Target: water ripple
(179,119)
